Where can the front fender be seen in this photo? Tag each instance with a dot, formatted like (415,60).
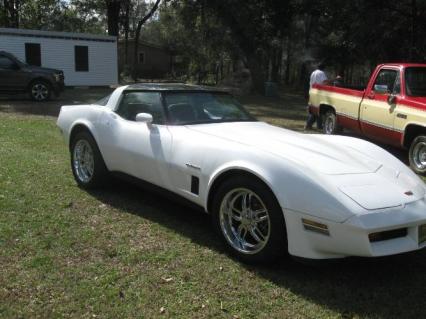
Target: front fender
(85,123)
(70,116)
(240,165)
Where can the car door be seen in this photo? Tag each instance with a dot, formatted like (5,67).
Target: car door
(136,148)
(377,114)
(12,78)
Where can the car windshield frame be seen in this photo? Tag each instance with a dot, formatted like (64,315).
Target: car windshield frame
(239,106)
(408,90)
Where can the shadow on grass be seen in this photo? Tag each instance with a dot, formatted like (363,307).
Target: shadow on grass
(381,287)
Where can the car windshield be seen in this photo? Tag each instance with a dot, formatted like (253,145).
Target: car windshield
(415,81)
(16,59)
(204,107)
(103,101)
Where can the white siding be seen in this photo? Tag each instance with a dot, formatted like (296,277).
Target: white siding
(59,54)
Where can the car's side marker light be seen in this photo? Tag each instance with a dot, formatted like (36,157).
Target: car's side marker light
(315,227)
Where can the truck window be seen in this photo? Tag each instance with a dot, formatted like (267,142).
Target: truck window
(390,78)
(415,81)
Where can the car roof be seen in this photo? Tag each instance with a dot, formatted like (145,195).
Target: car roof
(173,87)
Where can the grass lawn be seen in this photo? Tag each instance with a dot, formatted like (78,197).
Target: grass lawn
(121,252)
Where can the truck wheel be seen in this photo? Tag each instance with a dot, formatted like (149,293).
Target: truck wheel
(330,125)
(40,91)
(417,155)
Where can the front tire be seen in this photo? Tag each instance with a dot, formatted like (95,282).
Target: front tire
(330,125)
(417,155)
(87,164)
(40,91)
(250,220)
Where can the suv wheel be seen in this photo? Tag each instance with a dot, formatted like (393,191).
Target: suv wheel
(40,91)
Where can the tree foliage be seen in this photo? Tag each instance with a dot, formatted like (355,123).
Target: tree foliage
(277,40)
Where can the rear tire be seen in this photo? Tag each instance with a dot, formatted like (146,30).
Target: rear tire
(330,125)
(417,155)
(40,91)
(249,220)
(87,164)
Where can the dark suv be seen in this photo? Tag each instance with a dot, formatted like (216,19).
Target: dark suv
(19,77)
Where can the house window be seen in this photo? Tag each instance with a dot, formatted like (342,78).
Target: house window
(81,54)
(141,57)
(33,54)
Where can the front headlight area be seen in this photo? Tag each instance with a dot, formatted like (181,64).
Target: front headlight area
(58,76)
(384,233)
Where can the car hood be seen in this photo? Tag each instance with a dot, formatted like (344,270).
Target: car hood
(40,69)
(310,150)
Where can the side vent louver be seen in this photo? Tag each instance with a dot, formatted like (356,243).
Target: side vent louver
(195,185)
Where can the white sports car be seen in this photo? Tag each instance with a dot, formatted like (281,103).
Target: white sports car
(269,190)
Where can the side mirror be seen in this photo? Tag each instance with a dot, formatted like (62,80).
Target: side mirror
(381,88)
(144,118)
(392,99)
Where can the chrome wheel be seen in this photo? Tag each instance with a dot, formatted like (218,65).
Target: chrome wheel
(244,220)
(419,155)
(83,161)
(40,91)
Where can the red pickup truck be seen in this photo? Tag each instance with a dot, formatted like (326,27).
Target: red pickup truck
(391,109)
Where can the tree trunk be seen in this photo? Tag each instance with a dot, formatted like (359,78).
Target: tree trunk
(137,35)
(413,48)
(276,58)
(113,14)
(288,61)
(256,72)
(126,34)
(11,13)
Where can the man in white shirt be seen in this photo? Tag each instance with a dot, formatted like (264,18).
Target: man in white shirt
(317,77)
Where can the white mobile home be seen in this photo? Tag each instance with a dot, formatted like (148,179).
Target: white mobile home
(86,59)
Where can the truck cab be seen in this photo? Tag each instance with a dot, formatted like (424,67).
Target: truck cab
(390,109)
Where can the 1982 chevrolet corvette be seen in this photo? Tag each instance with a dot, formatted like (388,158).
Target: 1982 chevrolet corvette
(269,190)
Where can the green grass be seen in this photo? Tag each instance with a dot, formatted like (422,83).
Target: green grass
(122,252)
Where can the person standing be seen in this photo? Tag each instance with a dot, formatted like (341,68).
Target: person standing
(317,77)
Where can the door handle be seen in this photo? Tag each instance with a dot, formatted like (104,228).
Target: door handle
(371,95)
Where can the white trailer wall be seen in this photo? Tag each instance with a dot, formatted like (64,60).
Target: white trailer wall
(57,51)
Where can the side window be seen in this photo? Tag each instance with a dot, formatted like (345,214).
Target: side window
(133,103)
(397,86)
(389,79)
(6,63)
